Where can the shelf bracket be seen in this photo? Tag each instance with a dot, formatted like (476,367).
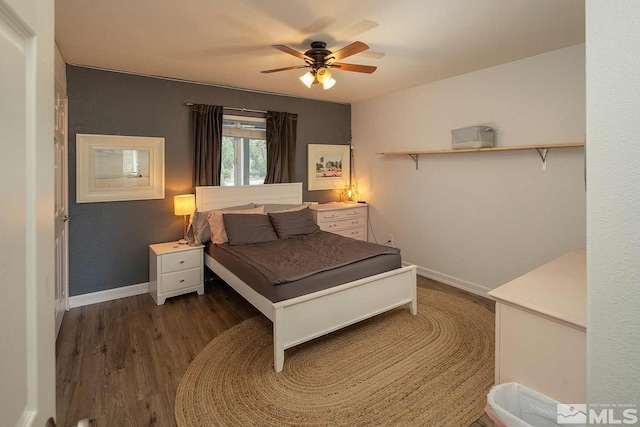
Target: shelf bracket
(543,155)
(415,158)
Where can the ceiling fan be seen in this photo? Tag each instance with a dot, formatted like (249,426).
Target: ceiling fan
(321,60)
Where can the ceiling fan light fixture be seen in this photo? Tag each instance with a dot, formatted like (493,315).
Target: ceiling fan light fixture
(319,60)
(308,79)
(323,74)
(328,84)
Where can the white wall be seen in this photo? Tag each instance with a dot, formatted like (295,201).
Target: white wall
(478,220)
(613,257)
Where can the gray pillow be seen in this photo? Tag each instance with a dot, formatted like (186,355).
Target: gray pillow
(275,207)
(291,224)
(199,232)
(243,229)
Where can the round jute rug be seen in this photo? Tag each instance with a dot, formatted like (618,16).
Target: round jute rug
(432,369)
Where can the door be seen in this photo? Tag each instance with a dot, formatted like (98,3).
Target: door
(61,206)
(27,328)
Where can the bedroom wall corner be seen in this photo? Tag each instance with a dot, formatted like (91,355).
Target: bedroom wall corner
(108,245)
(479,218)
(60,72)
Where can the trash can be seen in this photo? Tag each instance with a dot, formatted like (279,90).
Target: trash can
(514,405)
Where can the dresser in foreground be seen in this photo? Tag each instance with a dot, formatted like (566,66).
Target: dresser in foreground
(541,323)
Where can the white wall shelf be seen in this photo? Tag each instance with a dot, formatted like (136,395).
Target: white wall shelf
(541,148)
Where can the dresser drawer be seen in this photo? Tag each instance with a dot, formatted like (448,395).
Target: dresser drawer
(345,219)
(354,233)
(340,214)
(332,226)
(180,279)
(181,261)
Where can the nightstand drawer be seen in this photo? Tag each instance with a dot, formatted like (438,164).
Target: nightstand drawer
(181,279)
(354,233)
(336,215)
(342,224)
(180,261)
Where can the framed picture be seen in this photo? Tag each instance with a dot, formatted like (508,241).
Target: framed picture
(114,168)
(329,166)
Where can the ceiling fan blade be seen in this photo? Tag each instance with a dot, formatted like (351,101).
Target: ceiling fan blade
(287,49)
(354,67)
(356,30)
(275,70)
(352,49)
(372,54)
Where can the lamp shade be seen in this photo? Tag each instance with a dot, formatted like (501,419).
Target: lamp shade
(308,79)
(328,84)
(184,204)
(323,75)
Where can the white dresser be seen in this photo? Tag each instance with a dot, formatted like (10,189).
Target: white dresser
(175,269)
(541,321)
(345,219)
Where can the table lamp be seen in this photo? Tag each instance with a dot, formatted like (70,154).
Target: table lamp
(184,204)
(350,195)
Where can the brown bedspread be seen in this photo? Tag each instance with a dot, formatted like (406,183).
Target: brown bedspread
(283,261)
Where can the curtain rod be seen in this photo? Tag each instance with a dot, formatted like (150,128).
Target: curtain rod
(248,110)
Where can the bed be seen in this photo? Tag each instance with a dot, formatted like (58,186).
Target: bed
(303,318)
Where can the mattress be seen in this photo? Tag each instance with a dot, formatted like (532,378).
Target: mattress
(313,283)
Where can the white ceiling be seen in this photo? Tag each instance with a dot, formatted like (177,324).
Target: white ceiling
(412,42)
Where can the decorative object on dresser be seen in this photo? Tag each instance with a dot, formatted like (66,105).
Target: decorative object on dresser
(541,322)
(184,204)
(345,219)
(329,166)
(350,194)
(175,269)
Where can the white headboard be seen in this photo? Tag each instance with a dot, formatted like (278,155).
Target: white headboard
(210,198)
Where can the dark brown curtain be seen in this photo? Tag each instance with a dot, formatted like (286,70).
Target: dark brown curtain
(281,147)
(206,124)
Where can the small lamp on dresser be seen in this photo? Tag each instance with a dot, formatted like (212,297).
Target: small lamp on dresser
(350,195)
(184,204)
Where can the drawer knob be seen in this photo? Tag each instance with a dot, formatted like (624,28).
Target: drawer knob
(181,262)
(181,280)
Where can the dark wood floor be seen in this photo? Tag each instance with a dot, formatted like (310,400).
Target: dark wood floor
(119,363)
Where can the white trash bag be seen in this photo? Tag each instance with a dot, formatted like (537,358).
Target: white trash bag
(514,405)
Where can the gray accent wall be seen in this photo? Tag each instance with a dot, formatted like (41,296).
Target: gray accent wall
(108,241)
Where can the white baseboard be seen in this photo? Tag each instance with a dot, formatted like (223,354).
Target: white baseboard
(456,282)
(108,295)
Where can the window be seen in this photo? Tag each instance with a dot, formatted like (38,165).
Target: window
(244,150)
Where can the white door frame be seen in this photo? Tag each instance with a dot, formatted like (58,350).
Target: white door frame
(27,335)
(61,128)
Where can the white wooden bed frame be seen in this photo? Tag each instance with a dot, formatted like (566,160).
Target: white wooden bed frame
(306,317)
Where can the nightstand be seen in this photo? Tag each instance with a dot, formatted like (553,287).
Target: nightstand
(345,219)
(175,269)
